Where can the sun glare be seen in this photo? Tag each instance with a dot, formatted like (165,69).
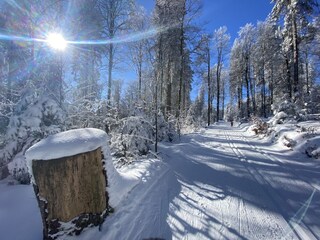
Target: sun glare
(56,41)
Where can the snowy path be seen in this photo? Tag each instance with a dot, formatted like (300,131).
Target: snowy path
(233,189)
(219,184)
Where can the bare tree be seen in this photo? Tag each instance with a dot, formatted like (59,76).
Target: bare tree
(138,23)
(204,61)
(115,16)
(221,46)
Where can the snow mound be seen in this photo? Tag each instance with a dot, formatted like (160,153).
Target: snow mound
(291,139)
(316,153)
(278,118)
(303,137)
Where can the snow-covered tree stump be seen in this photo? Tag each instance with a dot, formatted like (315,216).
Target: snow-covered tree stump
(70,181)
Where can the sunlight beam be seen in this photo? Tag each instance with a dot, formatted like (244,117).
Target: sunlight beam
(56,41)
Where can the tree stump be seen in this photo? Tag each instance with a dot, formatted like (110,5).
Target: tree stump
(71,193)
(70,189)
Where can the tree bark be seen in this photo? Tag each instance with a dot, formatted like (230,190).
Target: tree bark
(218,74)
(209,86)
(248,87)
(295,58)
(288,75)
(110,68)
(71,178)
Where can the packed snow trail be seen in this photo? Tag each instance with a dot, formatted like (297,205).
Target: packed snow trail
(232,189)
(221,184)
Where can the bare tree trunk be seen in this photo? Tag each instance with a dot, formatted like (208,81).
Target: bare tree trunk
(160,57)
(307,74)
(156,118)
(169,91)
(223,98)
(289,85)
(295,58)
(184,99)
(218,86)
(181,69)
(110,68)
(248,88)
(263,96)
(140,79)
(209,87)
(11,73)
(271,86)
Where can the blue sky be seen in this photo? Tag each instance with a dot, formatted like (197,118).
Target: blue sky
(234,13)
(231,13)
(215,13)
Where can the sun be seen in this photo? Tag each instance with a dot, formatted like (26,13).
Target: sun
(56,41)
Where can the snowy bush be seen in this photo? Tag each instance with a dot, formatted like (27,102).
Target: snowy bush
(132,138)
(111,122)
(194,120)
(259,126)
(288,141)
(313,152)
(167,129)
(278,118)
(291,109)
(32,120)
(86,113)
(313,105)
(286,106)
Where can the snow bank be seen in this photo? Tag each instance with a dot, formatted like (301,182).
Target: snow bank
(303,137)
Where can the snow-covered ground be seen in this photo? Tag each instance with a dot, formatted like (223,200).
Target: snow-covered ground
(220,183)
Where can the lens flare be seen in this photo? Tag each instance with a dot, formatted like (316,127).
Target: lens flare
(56,41)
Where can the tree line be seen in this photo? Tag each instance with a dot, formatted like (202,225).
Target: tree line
(43,91)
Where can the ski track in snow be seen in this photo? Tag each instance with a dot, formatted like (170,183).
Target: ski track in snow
(264,203)
(220,184)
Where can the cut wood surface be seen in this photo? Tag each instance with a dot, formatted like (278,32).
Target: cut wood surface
(72,185)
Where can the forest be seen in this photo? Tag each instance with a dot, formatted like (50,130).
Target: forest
(45,88)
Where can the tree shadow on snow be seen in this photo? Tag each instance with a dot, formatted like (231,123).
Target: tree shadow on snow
(220,174)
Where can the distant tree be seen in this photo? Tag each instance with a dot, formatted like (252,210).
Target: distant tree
(221,46)
(241,68)
(204,61)
(86,61)
(295,15)
(236,75)
(265,59)
(115,14)
(173,19)
(138,22)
